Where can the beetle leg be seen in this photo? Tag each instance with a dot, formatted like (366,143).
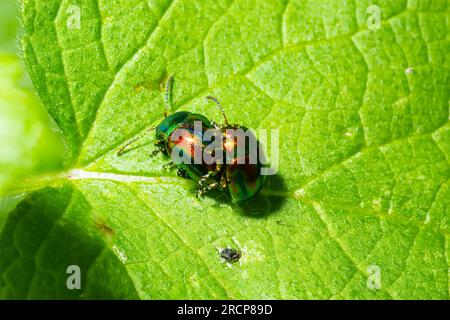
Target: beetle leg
(156,152)
(200,191)
(159,145)
(203,179)
(212,186)
(169,165)
(223,181)
(182,173)
(204,189)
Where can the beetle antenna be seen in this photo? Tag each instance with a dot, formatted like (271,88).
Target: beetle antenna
(219,106)
(167,96)
(140,136)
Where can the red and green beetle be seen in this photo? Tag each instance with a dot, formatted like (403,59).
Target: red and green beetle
(178,135)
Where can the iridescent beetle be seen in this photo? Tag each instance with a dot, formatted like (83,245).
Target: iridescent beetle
(176,134)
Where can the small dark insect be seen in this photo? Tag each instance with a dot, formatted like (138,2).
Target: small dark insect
(230,255)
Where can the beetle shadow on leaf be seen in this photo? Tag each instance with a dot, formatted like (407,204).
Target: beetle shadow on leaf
(261,205)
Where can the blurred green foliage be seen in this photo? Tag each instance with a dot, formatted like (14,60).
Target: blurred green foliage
(9,25)
(28,144)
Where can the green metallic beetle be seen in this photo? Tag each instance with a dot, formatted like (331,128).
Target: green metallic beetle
(180,136)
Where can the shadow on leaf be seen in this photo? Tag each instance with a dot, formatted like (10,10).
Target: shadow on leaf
(261,205)
(48,233)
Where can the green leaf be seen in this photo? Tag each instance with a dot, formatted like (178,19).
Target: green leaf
(27,145)
(364,151)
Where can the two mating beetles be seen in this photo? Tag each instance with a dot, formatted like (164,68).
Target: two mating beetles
(178,134)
